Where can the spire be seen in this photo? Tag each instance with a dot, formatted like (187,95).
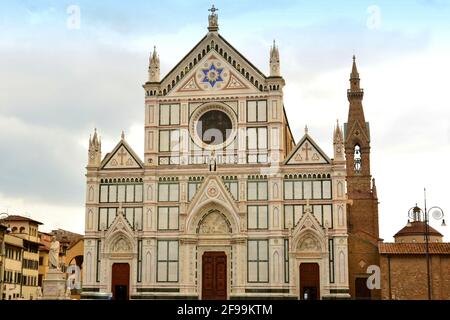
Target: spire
(338,143)
(95,150)
(122,136)
(95,138)
(338,137)
(354,77)
(274,61)
(213,24)
(153,68)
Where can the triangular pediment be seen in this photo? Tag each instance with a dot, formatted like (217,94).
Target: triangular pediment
(213,65)
(119,224)
(212,189)
(357,132)
(308,233)
(122,157)
(307,152)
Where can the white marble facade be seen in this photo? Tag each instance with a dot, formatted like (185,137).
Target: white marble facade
(268,204)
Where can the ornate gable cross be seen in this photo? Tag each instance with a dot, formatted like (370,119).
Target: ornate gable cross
(306,148)
(121,154)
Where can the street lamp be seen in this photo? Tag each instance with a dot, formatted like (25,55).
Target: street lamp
(3,216)
(417,214)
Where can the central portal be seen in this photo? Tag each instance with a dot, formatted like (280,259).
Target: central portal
(214,275)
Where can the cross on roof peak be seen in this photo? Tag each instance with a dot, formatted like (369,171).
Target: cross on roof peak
(213,9)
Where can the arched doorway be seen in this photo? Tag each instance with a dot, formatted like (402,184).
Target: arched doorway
(120,281)
(309,281)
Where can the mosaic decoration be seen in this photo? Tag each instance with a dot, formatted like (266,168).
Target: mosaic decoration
(212,75)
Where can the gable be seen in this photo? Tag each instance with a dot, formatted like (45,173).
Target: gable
(307,152)
(237,73)
(213,74)
(122,157)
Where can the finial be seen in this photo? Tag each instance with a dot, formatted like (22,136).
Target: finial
(213,24)
(123,135)
(354,58)
(306,129)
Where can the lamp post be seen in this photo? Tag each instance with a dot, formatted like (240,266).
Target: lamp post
(417,214)
(3,215)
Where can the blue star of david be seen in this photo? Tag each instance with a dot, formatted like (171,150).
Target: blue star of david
(212,75)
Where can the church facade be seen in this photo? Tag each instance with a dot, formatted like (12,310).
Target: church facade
(224,204)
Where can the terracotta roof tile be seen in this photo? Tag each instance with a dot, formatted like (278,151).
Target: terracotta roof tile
(20,218)
(414,248)
(417,228)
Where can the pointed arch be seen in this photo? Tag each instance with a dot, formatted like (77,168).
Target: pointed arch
(148,269)
(90,220)
(91,194)
(341,267)
(89,267)
(275,190)
(276,218)
(150,192)
(341,216)
(340,189)
(149,219)
(276,267)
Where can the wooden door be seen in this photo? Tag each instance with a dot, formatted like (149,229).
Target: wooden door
(214,276)
(309,281)
(120,281)
(362,292)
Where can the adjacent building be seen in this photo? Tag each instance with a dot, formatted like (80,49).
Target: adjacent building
(20,272)
(404,264)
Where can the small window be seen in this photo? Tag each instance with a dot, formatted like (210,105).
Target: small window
(257,190)
(257,217)
(169,114)
(257,111)
(357,159)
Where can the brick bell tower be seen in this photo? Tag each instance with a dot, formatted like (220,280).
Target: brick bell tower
(362,209)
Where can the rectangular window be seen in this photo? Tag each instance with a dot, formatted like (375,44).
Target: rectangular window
(115,193)
(121,193)
(168,192)
(292,214)
(286,260)
(106,217)
(168,218)
(112,193)
(233,187)
(257,145)
(192,189)
(257,111)
(331,259)
(97,269)
(257,217)
(317,189)
(103,193)
(169,114)
(307,189)
(130,193)
(139,261)
(138,192)
(257,190)
(167,258)
(257,261)
(326,193)
(169,140)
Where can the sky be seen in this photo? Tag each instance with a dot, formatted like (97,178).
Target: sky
(68,67)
